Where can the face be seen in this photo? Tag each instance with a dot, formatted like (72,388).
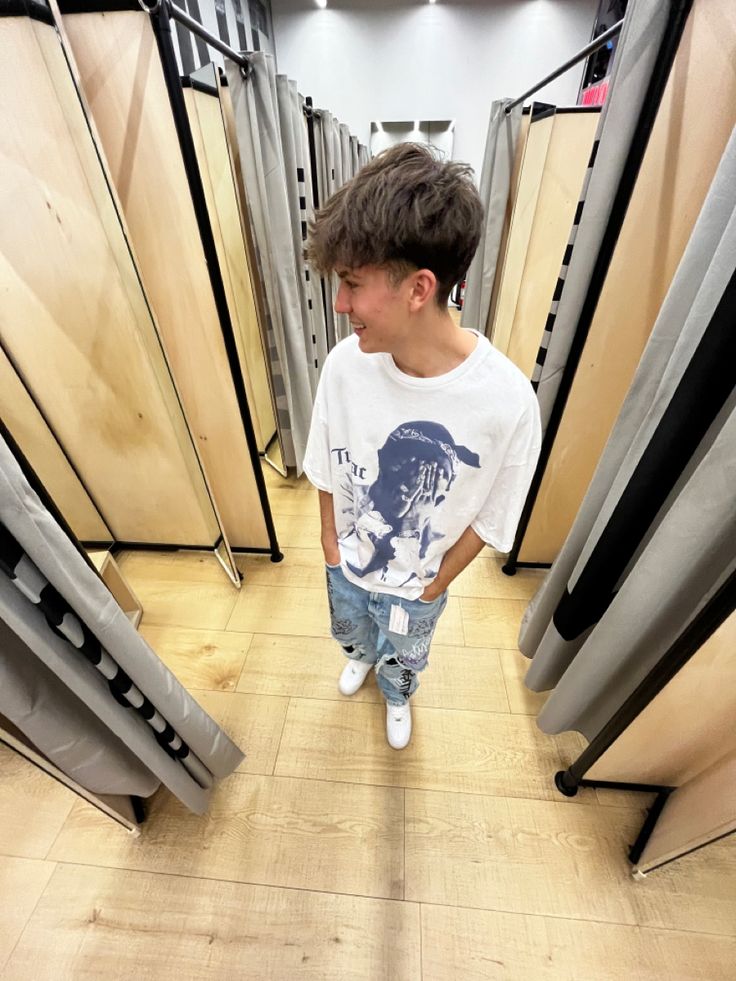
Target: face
(378,310)
(411,486)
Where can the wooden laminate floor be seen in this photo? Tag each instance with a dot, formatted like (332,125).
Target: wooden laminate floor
(327,855)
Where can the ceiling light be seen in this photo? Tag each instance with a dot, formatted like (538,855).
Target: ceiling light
(321,3)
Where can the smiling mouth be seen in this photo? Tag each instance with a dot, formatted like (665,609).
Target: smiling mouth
(358,328)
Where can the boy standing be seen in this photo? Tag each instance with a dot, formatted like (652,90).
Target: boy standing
(424,438)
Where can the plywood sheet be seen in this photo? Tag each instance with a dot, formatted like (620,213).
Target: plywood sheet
(687,727)
(565,165)
(687,141)
(33,436)
(530,178)
(123,82)
(210,140)
(696,814)
(73,316)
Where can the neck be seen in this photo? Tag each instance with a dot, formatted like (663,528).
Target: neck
(434,346)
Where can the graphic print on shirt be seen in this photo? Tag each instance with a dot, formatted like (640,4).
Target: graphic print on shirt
(392,517)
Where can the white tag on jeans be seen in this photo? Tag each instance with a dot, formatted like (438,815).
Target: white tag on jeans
(399,621)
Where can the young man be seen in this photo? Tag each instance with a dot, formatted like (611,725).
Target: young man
(424,438)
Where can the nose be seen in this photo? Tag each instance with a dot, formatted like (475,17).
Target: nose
(342,300)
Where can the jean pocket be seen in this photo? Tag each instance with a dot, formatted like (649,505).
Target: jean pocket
(333,567)
(433,602)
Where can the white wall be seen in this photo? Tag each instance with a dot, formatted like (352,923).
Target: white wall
(385,60)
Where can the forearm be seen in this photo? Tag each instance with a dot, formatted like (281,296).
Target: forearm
(327,520)
(457,558)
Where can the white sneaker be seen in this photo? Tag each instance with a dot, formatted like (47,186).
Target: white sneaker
(353,675)
(398,725)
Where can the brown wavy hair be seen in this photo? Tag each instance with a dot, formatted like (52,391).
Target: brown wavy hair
(405,210)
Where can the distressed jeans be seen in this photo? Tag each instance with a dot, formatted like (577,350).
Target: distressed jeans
(360,623)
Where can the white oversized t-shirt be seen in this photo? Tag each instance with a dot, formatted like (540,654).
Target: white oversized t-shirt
(412,462)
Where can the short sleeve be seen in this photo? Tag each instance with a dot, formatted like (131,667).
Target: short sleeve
(498,519)
(317,454)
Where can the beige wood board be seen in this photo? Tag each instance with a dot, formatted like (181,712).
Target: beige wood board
(510,205)
(33,807)
(117,584)
(210,141)
(303,612)
(530,178)
(120,924)
(70,290)
(550,859)
(207,659)
(476,945)
(686,727)
(22,880)
(697,813)
(565,165)
(271,668)
(306,834)
(493,624)
(679,164)
(124,85)
(37,442)
(253,722)
(452,750)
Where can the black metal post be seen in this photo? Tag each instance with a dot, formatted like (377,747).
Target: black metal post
(584,53)
(161,24)
(670,43)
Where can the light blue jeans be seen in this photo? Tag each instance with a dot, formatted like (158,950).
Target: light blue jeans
(360,624)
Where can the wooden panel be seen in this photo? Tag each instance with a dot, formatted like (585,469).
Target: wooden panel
(118,585)
(477,945)
(71,291)
(215,167)
(305,834)
(25,422)
(469,752)
(207,659)
(492,624)
(309,667)
(686,727)
(683,154)
(117,924)
(698,812)
(253,722)
(124,85)
(22,881)
(565,165)
(33,807)
(535,152)
(530,856)
(303,612)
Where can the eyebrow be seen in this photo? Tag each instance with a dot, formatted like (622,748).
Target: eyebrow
(346,274)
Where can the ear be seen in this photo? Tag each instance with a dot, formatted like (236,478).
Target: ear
(423,288)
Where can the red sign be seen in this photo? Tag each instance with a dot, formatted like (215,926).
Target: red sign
(595,95)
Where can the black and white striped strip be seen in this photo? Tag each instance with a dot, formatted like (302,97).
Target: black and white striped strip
(30,581)
(549,326)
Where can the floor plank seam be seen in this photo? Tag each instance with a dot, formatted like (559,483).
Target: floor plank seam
(281,736)
(344,701)
(574,919)
(4,963)
(237,882)
(590,802)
